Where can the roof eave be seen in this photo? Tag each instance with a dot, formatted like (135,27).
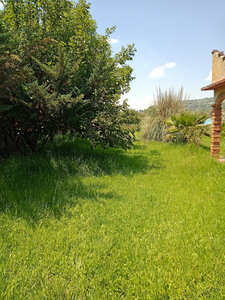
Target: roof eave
(214,85)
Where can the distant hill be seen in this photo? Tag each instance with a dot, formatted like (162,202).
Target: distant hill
(203,105)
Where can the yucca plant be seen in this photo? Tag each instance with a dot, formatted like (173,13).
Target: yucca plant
(188,127)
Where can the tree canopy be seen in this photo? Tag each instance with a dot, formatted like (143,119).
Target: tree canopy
(58,75)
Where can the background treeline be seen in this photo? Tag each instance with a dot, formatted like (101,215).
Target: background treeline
(58,75)
(201,105)
(198,105)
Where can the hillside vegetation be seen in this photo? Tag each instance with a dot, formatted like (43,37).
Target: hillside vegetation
(107,224)
(203,105)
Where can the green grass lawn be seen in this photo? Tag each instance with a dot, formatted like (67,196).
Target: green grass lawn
(148,223)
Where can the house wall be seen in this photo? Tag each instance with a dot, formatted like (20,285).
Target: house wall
(218,66)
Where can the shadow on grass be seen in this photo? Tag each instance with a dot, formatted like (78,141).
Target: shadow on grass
(207,148)
(52,180)
(139,147)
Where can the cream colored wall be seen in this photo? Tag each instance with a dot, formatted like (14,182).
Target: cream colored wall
(218,66)
(219,95)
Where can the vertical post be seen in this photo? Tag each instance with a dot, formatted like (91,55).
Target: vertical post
(216,129)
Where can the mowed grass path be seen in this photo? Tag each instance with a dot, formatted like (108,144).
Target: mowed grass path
(77,223)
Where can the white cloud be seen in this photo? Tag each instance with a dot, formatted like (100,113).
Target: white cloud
(209,78)
(170,65)
(1,6)
(113,41)
(159,72)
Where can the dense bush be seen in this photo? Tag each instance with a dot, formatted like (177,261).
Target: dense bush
(132,119)
(59,75)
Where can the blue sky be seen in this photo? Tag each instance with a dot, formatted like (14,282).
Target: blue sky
(173,38)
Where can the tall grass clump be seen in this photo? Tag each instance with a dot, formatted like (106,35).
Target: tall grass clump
(153,129)
(166,103)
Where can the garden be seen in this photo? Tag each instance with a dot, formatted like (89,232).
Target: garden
(97,200)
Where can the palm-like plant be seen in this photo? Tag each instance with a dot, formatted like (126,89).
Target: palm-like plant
(188,127)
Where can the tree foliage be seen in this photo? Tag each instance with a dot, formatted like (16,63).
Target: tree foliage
(59,75)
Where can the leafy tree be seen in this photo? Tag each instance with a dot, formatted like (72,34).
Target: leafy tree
(13,74)
(132,118)
(67,78)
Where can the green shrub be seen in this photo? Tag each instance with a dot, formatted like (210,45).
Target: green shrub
(188,127)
